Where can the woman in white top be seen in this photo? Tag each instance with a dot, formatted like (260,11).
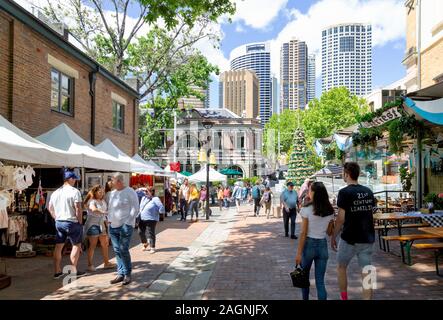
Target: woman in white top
(95,226)
(313,246)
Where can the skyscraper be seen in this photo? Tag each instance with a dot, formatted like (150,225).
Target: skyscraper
(240,93)
(293,75)
(256,57)
(275,106)
(347,58)
(311,78)
(195,102)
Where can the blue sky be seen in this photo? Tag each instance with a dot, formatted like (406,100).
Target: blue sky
(279,20)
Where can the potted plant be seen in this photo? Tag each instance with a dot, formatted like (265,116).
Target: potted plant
(406,178)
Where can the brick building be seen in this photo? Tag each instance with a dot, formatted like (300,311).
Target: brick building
(45,81)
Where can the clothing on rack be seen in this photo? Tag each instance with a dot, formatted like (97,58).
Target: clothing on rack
(17,230)
(5,202)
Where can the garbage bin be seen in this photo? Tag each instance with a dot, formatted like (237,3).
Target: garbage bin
(277,211)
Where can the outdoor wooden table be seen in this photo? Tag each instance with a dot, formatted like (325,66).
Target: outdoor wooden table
(432,230)
(396,217)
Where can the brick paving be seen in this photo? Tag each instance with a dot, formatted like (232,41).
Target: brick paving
(173,237)
(233,256)
(257,259)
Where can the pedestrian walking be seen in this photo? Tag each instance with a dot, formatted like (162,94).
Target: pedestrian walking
(313,244)
(266,200)
(356,205)
(150,209)
(123,208)
(95,226)
(289,200)
(220,197)
(183,196)
(227,197)
(65,206)
(256,196)
(303,193)
(237,195)
(202,202)
(194,197)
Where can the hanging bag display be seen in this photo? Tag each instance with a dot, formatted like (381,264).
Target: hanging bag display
(300,278)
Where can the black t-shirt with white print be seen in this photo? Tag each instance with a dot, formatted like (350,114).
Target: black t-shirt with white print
(358,202)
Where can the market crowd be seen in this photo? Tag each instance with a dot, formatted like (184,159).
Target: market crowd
(116,210)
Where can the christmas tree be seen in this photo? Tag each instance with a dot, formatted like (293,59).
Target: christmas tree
(299,168)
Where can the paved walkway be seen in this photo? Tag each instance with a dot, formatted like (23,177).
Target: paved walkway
(232,256)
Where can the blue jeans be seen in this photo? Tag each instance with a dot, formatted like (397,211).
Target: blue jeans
(121,238)
(316,250)
(226,202)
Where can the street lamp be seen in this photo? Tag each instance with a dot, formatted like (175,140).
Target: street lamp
(207,158)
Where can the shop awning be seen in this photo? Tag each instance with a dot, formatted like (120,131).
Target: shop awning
(62,137)
(214,176)
(427,103)
(16,145)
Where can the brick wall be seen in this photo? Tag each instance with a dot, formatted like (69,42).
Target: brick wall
(31,90)
(4,64)
(432,63)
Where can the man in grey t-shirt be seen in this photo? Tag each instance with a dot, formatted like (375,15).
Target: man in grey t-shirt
(123,208)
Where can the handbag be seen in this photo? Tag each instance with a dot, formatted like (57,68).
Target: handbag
(331,227)
(300,278)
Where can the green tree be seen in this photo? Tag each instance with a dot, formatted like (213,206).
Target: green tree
(108,34)
(336,109)
(286,123)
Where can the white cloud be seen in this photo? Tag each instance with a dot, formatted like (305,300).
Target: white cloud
(239,28)
(258,14)
(386,16)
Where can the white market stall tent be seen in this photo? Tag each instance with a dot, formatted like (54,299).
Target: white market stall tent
(62,137)
(158,171)
(16,145)
(108,147)
(214,176)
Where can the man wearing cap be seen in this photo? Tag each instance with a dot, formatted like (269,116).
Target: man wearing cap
(289,200)
(65,207)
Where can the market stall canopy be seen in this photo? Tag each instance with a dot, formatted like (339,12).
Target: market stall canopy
(231,172)
(107,146)
(186,173)
(427,103)
(16,145)
(329,171)
(158,171)
(62,137)
(214,176)
(152,163)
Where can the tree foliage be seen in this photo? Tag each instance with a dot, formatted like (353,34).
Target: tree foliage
(336,109)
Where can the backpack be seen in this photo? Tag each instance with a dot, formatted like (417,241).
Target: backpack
(256,192)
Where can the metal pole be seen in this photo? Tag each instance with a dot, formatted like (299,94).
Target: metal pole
(419,168)
(175,135)
(207,185)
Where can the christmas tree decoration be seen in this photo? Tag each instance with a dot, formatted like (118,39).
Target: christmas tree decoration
(299,168)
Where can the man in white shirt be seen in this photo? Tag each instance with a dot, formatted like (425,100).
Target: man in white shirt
(65,207)
(123,208)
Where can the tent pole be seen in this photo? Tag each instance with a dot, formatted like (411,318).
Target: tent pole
(83,180)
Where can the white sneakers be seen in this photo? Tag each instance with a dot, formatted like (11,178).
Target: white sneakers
(152,250)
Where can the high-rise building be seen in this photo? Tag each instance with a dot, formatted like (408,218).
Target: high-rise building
(240,93)
(293,75)
(347,58)
(311,78)
(275,106)
(256,57)
(196,102)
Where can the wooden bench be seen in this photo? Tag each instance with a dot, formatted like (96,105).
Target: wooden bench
(406,242)
(436,247)
(383,231)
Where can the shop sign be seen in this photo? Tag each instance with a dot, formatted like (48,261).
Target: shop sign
(386,116)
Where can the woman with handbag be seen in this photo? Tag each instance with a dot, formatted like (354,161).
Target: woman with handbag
(313,246)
